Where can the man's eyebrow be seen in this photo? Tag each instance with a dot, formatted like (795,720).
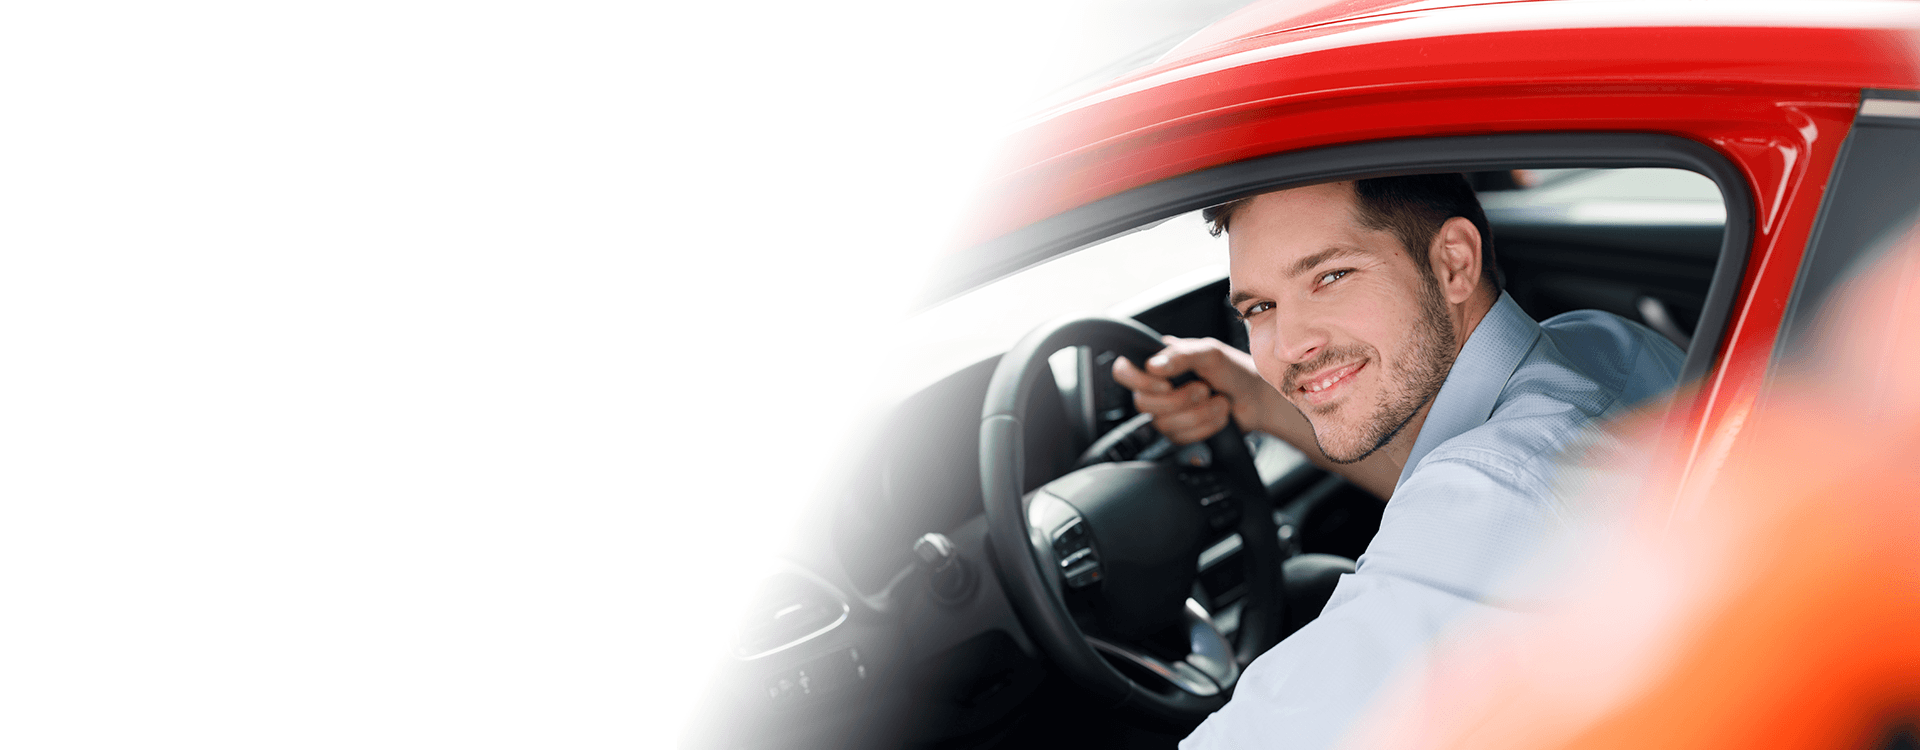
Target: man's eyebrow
(1237,296)
(1308,263)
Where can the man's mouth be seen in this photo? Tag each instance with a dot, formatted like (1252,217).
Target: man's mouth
(1327,385)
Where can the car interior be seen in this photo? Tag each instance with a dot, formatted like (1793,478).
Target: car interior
(888,623)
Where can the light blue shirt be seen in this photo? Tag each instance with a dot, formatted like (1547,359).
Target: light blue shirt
(1476,500)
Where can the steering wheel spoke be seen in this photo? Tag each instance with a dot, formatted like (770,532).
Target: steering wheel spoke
(1179,674)
(1208,669)
(1208,649)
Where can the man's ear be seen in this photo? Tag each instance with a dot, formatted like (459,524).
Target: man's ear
(1455,256)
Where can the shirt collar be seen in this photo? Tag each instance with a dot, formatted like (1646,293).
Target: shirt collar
(1494,350)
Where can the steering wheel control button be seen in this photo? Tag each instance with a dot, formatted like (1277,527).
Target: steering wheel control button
(1076,557)
(1222,511)
(1074,549)
(1069,537)
(949,577)
(1197,455)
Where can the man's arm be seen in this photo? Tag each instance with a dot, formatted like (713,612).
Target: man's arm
(1229,383)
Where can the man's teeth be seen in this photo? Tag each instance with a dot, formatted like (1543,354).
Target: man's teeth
(1319,386)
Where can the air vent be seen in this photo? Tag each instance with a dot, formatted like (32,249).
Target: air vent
(790,610)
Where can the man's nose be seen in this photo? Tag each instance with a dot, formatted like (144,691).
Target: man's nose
(1296,338)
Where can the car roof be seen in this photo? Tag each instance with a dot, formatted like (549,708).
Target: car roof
(1199,106)
(1279,16)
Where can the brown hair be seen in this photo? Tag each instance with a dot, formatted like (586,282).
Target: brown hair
(1411,207)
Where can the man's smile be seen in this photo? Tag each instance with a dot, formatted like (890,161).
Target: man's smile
(1327,384)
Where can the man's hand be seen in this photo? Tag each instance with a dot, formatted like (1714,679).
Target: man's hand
(1194,412)
(1229,384)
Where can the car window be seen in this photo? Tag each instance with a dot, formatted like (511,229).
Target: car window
(1577,197)
(1568,238)
(1641,243)
(1119,276)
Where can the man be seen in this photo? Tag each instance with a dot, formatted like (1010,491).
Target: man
(1382,346)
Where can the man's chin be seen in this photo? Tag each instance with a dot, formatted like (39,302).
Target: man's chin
(1356,446)
(1348,457)
(1347,449)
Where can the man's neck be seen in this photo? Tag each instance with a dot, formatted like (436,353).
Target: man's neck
(1393,456)
(1467,316)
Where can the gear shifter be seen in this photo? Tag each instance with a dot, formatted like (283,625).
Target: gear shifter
(950,578)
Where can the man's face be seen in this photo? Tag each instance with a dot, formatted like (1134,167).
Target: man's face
(1341,320)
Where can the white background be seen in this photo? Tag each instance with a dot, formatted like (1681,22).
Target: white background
(410,374)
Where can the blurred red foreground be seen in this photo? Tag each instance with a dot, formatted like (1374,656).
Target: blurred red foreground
(1775,603)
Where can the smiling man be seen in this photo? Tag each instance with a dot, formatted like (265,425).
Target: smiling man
(1383,347)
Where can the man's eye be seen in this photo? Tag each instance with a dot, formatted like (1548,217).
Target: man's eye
(1332,276)
(1255,309)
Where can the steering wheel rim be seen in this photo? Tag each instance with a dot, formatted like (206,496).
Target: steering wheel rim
(1025,577)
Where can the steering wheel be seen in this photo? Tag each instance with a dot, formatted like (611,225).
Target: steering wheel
(1099,563)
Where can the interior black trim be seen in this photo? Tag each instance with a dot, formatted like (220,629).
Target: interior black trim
(1150,203)
(1912,96)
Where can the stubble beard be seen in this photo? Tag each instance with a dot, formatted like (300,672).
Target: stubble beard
(1420,369)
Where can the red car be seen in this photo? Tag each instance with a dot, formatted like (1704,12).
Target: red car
(1714,170)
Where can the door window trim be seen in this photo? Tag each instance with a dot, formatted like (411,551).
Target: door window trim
(1869,201)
